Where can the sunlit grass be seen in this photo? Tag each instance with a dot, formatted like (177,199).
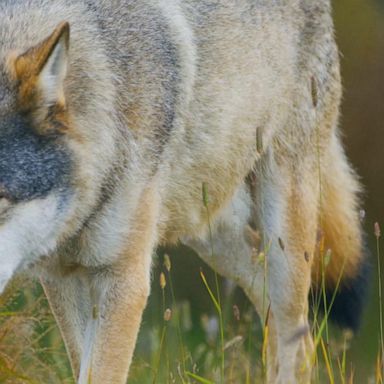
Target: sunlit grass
(178,343)
(31,349)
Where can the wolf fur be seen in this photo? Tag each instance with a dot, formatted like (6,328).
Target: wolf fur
(113,114)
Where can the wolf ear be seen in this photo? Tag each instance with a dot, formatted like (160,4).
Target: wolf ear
(44,67)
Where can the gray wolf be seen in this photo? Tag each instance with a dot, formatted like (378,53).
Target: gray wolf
(113,114)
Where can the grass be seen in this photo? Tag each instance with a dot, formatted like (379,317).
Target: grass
(176,345)
(379,365)
(221,342)
(31,349)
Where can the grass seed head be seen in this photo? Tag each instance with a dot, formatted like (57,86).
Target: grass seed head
(167,262)
(362,215)
(261,258)
(314,92)
(327,257)
(167,314)
(163,281)
(236,312)
(204,190)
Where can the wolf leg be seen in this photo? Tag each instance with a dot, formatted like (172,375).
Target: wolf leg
(99,314)
(112,329)
(70,304)
(99,308)
(289,214)
(236,251)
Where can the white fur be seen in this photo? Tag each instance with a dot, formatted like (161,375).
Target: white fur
(88,347)
(31,232)
(53,74)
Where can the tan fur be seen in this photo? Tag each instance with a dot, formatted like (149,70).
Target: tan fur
(28,66)
(340,223)
(30,63)
(159,98)
(25,69)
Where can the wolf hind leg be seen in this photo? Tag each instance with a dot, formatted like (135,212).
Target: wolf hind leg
(236,251)
(289,286)
(287,206)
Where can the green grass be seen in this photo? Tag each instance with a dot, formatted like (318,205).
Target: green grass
(177,343)
(180,341)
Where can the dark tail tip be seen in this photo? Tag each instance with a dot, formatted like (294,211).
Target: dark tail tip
(350,298)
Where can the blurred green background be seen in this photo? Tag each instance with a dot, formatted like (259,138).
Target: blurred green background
(30,346)
(360,35)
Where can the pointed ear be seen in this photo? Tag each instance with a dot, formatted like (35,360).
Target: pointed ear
(43,68)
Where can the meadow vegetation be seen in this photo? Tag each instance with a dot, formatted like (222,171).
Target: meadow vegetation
(199,328)
(223,341)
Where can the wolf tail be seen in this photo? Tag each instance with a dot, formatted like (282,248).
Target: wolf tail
(346,267)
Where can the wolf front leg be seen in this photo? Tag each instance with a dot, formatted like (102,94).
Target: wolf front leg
(99,315)
(112,328)
(99,309)
(70,303)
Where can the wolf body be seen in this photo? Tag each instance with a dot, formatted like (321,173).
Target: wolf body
(113,114)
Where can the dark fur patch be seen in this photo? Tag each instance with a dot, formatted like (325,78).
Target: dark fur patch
(31,166)
(170,61)
(155,86)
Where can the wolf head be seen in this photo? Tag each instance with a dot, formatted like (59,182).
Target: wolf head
(35,162)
